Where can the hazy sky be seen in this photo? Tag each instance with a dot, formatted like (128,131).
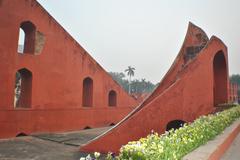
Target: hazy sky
(146,34)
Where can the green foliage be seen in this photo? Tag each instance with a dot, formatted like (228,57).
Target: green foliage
(235,78)
(137,86)
(176,144)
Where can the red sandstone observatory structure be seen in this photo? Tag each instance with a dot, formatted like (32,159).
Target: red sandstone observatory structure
(60,87)
(196,84)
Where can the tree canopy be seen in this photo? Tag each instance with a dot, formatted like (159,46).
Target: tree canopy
(137,86)
(144,86)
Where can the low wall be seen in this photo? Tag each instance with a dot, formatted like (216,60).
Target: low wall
(215,149)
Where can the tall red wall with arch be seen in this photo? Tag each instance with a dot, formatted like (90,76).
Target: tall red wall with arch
(58,66)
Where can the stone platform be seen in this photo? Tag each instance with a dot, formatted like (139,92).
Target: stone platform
(46,146)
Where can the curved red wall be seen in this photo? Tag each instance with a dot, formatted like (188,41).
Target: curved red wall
(185,93)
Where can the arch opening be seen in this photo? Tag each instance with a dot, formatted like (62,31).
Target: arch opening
(87,127)
(112,124)
(220,80)
(21,134)
(175,124)
(23,89)
(26,40)
(112,98)
(21,39)
(87,95)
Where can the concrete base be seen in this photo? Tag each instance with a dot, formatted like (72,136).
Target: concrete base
(76,138)
(233,152)
(48,146)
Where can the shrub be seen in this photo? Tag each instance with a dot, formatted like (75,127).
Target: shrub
(175,144)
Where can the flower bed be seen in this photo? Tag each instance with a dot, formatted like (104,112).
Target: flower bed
(175,144)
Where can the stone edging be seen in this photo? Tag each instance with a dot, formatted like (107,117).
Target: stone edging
(214,149)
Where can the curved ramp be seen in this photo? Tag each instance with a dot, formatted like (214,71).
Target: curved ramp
(189,89)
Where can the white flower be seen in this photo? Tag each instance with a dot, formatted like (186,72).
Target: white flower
(96,154)
(89,157)
(82,158)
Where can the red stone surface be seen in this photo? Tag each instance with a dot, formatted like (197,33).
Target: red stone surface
(55,68)
(196,82)
(140,97)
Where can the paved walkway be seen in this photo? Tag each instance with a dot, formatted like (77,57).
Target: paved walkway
(30,148)
(233,153)
(60,146)
(76,138)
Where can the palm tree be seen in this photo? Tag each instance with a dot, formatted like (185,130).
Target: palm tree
(130,73)
(144,85)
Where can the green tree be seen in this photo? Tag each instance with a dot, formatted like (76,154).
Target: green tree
(130,73)
(137,86)
(120,79)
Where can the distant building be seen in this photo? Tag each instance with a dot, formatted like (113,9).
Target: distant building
(233,93)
